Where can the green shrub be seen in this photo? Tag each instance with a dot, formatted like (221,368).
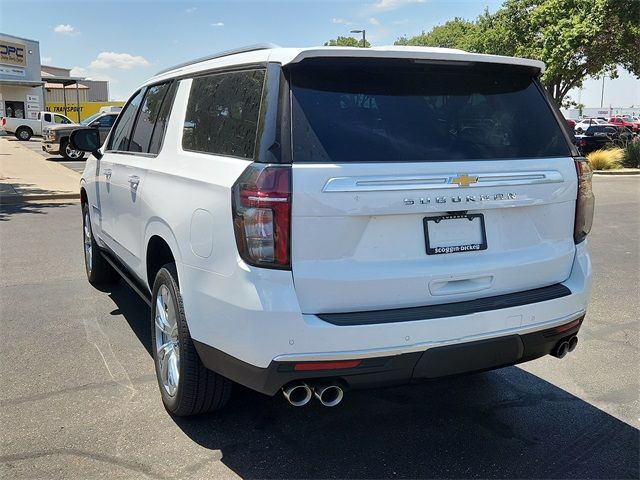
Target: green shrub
(632,155)
(606,159)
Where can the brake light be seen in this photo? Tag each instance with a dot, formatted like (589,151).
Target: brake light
(4,121)
(585,201)
(261,201)
(582,142)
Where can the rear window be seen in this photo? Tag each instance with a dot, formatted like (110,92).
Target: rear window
(385,111)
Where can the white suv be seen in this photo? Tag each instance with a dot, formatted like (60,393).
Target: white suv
(318,219)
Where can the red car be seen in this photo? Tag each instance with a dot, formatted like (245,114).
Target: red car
(571,123)
(623,122)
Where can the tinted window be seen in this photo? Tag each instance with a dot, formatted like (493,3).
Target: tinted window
(396,110)
(122,131)
(147,118)
(222,113)
(106,121)
(161,120)
(47,117)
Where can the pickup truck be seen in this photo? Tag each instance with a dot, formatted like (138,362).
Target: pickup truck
(25,128)
(625,121)
(55,138)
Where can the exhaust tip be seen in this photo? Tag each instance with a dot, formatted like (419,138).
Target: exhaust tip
(573,343)
(297,394)
(329,395)
(561,350)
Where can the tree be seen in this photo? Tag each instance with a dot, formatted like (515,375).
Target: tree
(575,38)
(346,42)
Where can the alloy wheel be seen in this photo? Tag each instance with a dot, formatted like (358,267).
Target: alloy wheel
(88,249)
(167,344)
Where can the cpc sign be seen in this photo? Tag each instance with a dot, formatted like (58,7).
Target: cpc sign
(12,54)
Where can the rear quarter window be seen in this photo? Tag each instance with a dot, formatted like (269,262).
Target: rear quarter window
(394,111)
(222,113)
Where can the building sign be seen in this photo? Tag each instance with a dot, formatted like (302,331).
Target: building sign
(14,54)
(16,72)
(33,106)
(86,108)
(33,98)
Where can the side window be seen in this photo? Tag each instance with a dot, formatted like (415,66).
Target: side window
(106,121)
(222,113)
(60,119)
(47,117)
(121,132)
(147,117)
(162,120)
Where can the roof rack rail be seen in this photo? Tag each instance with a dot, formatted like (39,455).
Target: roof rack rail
(226,53)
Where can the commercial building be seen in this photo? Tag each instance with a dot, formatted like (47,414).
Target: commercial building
(27,87)
(20,77)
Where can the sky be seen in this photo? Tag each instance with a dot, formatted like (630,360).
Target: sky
(127,42)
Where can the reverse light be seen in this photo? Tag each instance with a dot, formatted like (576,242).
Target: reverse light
(585,201)
(261,200)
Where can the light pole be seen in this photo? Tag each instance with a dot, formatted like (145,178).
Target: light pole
(602,94)
(364,40)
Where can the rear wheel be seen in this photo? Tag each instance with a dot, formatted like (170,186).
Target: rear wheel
(186,386)
(70,153)
(24,133)
(97,268)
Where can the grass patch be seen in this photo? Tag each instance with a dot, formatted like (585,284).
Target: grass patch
(606,159)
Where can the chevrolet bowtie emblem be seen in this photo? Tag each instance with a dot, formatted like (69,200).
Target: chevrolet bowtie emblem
(464,180)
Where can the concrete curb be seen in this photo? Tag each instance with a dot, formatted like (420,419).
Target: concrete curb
(617,172)
(17,199)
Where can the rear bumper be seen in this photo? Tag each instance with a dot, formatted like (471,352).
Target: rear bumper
(247,325)
(430,363)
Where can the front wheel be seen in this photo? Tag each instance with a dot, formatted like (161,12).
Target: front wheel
(70,153)
(97,268)
(186,386)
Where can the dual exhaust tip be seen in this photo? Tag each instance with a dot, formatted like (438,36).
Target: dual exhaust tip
(564,347)
(299,394)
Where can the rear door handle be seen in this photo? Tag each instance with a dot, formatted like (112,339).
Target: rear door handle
(134,180)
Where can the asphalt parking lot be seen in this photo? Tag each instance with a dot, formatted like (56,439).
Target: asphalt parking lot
(80,400)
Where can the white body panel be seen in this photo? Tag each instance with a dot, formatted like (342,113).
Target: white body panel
(351,250)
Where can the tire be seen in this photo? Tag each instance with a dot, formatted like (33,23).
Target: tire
(186,386)
(98,269)
(24,134)
(69,153)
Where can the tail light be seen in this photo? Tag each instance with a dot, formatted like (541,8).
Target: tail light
(582,142)
(584,202)
(261,201)
(4,121)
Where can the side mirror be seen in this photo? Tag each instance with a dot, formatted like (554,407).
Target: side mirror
(86,140)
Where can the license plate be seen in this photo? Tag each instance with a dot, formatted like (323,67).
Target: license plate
(455,233)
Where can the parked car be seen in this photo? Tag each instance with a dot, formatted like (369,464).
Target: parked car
(585,123)
(621,121)
(314,220)
(56,138)
(25,128)
(596,137)
(571,124)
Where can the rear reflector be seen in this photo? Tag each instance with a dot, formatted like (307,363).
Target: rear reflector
(339,365)
(568,326)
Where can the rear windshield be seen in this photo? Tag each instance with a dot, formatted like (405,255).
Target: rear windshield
(348,110)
